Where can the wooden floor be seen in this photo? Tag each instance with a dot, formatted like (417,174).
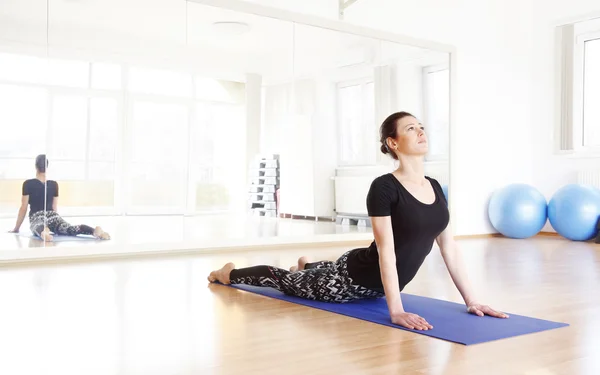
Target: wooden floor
(159,316)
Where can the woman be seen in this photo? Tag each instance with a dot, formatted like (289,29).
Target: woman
(408,212)
(42,197)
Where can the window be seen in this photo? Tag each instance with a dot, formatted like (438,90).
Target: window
(83,136)
(106,76)
(104,126)
(158,164)
(25,111)
(436,101)
(160,82)
(68,73)
(580,87)
(113,134)
(69,128)
(21,68)
(356,116)
(217,132)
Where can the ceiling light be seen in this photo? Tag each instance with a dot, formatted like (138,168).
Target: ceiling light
(231,28)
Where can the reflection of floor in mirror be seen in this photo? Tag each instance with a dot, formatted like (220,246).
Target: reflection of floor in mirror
(159,316)
(162,233)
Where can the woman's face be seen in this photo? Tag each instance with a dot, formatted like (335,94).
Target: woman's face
(410,137)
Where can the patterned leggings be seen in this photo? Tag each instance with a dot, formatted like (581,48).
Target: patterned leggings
(322,281)
(56,225)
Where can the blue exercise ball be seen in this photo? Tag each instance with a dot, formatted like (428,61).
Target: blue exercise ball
(574,211)
(518,211)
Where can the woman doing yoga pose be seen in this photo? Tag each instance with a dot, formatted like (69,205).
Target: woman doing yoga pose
(408,213)
(41,196)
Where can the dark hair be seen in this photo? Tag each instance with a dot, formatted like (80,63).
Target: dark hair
(389,129)
(41,163)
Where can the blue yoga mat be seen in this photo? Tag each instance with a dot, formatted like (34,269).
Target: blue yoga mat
(450,320)
(59,238)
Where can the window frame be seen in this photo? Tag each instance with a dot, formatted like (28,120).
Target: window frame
(425,71)
(570,140)
(362,82)
(579,92)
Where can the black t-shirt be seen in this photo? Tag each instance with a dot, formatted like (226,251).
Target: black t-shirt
(35,189)
(415,226)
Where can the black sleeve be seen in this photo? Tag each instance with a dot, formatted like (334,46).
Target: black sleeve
(55,188)
(438,189)
(380,198)
(26,188)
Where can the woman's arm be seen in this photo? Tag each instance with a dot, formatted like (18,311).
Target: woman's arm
(22,213)
(55,204)
(384,238)
(456,267)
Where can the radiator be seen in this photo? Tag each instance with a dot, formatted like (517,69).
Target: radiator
(589,177)
(351,194)
(352,186)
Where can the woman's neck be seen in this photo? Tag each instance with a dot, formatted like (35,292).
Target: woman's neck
(41,176)
(411,168)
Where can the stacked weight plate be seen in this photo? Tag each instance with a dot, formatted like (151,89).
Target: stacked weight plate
(264,174)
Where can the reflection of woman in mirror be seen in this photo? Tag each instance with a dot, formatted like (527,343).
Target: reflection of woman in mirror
(408,212)
(44,219)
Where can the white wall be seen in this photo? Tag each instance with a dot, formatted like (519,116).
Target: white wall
(552,171)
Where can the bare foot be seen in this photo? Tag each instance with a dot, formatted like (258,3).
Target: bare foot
(46,236)
(101,234)
(301,264)
(221,275)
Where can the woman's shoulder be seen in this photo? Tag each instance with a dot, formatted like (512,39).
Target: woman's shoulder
(385,179)
(433,181)
(385,182)
(29,181)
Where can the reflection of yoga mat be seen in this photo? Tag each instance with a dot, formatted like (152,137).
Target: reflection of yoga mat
(450,320)
(59,238)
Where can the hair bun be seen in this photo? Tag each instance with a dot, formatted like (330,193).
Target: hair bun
(384,149)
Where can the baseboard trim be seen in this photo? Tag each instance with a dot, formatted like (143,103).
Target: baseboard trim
(473,236)
(550,234)
(499,235)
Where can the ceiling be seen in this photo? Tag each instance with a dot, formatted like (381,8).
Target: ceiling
(174,30)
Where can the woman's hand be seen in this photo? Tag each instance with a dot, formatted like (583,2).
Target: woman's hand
(411,321)
(481,310)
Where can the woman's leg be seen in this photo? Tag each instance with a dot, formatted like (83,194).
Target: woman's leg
(59,226)
(321,284)
(37,224)
(304,264)
(266,276)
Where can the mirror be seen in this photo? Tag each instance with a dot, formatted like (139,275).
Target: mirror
(24,117)
(333,123)
(421,86)
(345,86)
(212,128)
